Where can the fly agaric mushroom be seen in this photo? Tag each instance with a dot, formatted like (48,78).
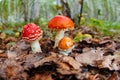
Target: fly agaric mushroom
(32,33)
(65,45)
(60,24)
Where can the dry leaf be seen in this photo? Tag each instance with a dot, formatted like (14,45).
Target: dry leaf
(44,76)
(71,61)
(63,65)
(114,76)
(89,57)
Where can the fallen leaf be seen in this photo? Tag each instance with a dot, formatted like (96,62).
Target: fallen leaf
(71,61)
(46,59)
(44,76)
(89,57)
(114,76)
(68,72)
(63,65)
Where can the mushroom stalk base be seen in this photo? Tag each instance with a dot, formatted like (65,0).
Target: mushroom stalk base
(66,52)
(35,46)
(59,36)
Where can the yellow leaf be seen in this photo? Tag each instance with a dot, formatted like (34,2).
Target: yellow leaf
(87,36)
(17,34)
(2,35)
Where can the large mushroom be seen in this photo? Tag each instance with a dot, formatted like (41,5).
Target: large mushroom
(61,24)
(32,33)
(65,45)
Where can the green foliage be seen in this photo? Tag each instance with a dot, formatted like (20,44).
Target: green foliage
(81,36)
(12,16)
(12,28)
(104,28)
(43,23)
(8,32)
(11,43)
(78,37)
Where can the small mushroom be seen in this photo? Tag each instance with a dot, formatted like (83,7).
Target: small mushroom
(32,33)
(65,45)
(61,24)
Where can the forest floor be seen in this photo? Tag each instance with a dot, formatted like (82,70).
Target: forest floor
(91,59)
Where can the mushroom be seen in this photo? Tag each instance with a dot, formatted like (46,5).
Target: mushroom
(65,45)
(61,24)
(32,33)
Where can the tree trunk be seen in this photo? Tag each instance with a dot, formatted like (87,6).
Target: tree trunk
(35,10)
(63,8)
(25,9)
(66,8)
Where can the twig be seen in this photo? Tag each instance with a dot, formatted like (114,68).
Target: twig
(81,10)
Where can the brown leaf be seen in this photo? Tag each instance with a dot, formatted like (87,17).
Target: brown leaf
(10,39)
(44,76)
(63,65)
(3,55)
(15,72)
(111,61)
(96,77)
(50,58)
(94,40)
(89,57)
(1,51)
(107,62)
(68,72)
(22,45)
(71,61)
(114,76)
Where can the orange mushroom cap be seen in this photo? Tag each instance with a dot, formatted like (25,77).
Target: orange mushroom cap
(65,43)
(60,22)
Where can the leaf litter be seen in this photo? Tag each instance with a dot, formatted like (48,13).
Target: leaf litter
(91,59)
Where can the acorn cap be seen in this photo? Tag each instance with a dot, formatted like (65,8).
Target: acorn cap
(31,32)
(60,22)
(65,43)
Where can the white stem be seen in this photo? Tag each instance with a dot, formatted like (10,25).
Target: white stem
(59,36)
(35,46)
(66,52)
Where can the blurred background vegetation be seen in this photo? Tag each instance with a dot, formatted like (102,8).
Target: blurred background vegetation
(103,15)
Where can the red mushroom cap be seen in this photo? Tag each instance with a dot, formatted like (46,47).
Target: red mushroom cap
(60,22)
(31,32)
